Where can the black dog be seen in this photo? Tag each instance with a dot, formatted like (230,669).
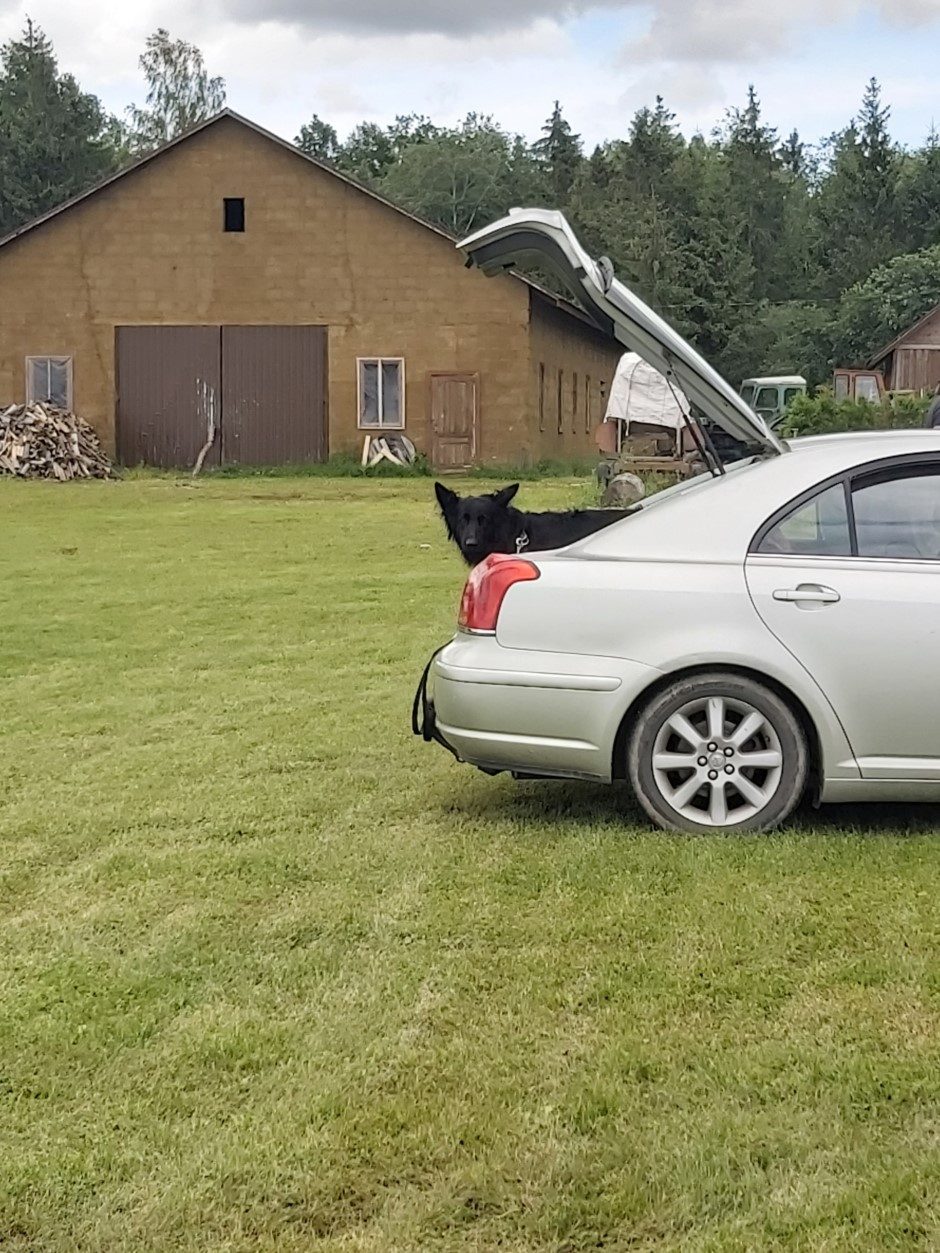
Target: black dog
(481,525)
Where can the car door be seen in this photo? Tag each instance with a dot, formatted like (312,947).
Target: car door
(848,579)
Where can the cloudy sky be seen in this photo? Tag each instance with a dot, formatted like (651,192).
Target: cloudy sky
(350,60)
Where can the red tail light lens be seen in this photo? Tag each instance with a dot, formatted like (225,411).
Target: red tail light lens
(486,588)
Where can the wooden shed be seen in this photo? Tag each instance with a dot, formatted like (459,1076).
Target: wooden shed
(911,362)
(229,281)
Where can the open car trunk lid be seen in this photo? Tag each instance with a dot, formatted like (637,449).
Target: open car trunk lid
(545,235)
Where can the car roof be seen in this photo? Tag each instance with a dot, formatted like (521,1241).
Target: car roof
(714,519)
(888,443)
(776,380)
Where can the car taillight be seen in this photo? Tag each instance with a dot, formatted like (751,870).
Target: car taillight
(486,588)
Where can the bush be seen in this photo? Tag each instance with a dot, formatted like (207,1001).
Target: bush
(822,414)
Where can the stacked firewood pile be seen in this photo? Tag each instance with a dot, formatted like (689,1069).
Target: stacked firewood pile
(41,441)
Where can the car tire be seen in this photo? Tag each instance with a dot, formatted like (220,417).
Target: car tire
(737,740)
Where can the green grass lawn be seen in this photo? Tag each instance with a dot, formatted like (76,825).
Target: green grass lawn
(276,976)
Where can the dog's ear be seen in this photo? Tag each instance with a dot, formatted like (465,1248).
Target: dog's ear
(445,498)
(505,495)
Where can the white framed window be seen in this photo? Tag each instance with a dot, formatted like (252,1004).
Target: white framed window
(381,393)
(49,379)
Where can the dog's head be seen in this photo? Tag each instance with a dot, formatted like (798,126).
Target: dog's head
(478,525)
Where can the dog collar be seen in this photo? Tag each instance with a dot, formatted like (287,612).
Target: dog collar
(522,542)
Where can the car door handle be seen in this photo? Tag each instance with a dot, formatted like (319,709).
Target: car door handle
(814,592)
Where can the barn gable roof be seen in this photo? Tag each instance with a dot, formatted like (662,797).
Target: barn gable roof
(542,293)
(880,355)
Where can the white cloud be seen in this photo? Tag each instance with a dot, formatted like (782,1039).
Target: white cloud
(709,32)
(697,30)
(370,59)
(712,32)
(397,17)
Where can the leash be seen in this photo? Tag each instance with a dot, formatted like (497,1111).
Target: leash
(426,725)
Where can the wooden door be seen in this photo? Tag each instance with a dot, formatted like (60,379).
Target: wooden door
(274,395)
(168,394)
(455,420)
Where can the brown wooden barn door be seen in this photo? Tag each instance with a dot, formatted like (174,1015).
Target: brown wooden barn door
(168,393)
(274,394)
(455,419)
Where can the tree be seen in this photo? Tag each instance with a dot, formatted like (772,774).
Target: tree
(367,154)
(55,139)
(919,195)
(656,263)
(180,93)
(796,273)
(560,152)
(647,161)
(793,338)
(631,205)
(890,300)
(318,139)
(792,154)
(371,151)
(526,176)
(758,192)
(410,129)
(719,266)
(878,148)
(857,207)
(458,178)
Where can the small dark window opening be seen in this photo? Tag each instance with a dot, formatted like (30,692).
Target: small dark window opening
(234,213)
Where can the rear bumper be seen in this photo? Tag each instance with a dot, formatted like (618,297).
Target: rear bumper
(505,709)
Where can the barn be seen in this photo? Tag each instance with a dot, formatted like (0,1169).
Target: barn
(911,362)
(228,283)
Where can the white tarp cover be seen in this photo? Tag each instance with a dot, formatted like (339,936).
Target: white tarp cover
(639,393)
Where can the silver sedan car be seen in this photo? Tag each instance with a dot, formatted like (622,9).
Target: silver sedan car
(757,633)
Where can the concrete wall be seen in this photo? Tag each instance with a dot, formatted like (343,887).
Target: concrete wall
(583,363)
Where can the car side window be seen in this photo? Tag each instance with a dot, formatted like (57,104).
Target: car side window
(818,527)
(898,515)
